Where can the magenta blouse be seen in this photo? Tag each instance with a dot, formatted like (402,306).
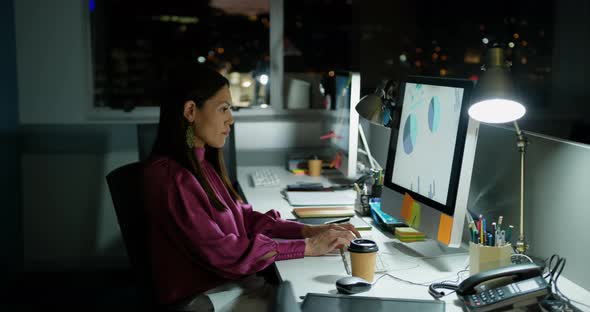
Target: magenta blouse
(195,247)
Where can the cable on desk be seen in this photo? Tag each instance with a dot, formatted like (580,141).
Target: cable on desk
(380,253)
(517,255)
(399,279)
(556,301)
(446,284)
(399,253)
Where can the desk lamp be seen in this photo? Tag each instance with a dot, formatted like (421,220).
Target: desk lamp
(494,101)
(377,108)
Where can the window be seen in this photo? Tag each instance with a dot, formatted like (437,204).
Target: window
(321,40)
(133,42)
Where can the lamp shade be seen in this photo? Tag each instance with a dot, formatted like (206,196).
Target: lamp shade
(371,108)
(494,99)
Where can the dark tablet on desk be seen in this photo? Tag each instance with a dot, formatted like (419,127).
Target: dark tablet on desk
(336,303)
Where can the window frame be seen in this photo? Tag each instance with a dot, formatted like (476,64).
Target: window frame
(151,114)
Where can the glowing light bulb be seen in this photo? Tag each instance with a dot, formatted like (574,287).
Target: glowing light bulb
(263,79)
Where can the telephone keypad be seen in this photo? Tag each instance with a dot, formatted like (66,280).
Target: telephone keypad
(487,297)
(492,299)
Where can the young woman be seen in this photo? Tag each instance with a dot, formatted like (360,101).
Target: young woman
(202,235)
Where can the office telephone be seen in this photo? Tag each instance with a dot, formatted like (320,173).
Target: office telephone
(508,287)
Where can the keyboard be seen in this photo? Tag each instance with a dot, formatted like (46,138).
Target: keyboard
(265,177)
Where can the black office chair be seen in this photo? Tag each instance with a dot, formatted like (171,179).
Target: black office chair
(285,299)
(125,188)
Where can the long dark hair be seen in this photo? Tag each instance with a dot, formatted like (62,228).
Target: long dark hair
(185,83)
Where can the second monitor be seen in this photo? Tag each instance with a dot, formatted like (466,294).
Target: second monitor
(432,156)
(344,122)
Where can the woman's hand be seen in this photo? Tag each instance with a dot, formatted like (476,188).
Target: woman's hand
(327,241)
(313,230)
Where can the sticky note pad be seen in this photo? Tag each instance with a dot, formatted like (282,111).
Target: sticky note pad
(407,207)
(415,215)
(407,231)
(408,234)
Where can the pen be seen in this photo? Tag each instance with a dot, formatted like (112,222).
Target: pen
(494,228)
(480,229)
(345,262)
(509,233)
(341,220)
(357,188)
(485,232)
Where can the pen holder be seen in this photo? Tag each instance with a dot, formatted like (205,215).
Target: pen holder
(483,258)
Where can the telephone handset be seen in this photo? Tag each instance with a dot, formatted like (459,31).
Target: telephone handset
(516,285)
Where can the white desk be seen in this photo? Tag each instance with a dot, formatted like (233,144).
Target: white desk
(319,274)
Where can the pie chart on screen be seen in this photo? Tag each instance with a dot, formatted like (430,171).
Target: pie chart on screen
(433,114)
(409,134)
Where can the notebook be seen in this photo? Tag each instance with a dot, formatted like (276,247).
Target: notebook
(330,198)
(323,212)
(358,223)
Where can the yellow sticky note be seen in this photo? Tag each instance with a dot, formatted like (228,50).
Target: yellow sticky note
(407,207)
(415,215)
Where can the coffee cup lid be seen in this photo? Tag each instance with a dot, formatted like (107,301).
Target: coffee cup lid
(363,245)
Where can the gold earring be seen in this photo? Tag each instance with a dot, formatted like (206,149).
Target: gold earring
(190,136)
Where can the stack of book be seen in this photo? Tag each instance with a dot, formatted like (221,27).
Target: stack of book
(322,204)
(408,234)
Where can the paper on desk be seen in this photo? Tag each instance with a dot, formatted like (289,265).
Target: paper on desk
(360,224)
(331,198)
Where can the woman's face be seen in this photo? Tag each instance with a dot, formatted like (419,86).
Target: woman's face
(212,121)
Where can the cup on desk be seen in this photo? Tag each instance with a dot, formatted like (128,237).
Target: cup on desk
(315,167)
(363,253)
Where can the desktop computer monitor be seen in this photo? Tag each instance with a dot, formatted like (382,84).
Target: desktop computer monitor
(344,122)
(431,157)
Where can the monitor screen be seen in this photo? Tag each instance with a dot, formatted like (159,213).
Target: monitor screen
(428,137)
(431,157)
(344,122)
(342,109)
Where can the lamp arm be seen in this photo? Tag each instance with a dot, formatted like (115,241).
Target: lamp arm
(372,161)
(521,143)
(362,151)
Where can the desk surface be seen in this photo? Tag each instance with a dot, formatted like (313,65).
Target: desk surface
(423,263)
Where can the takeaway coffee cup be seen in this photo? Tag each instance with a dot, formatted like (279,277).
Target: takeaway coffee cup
(363,253)
(315,167)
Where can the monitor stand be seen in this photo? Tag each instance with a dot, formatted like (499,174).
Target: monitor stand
(429,250)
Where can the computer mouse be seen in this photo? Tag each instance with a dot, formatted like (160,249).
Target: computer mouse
(352,285)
